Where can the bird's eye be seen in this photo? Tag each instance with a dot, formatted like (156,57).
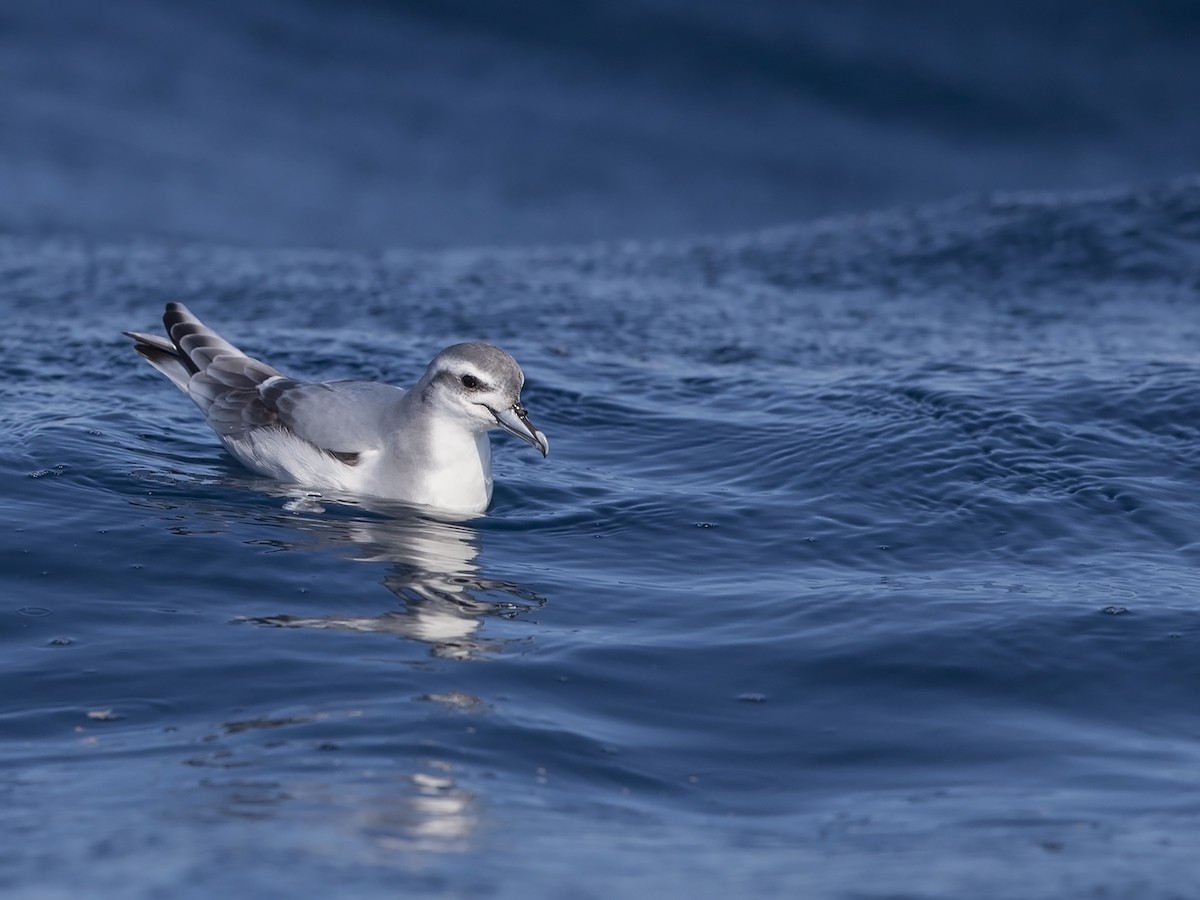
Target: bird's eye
(470,382)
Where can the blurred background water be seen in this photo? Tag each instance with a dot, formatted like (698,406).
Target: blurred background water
(864,564)
(465,122)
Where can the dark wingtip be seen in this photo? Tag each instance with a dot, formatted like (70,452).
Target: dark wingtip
(174,314)
(154,355)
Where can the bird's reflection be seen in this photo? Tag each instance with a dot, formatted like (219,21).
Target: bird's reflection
(420,808)
(433,571)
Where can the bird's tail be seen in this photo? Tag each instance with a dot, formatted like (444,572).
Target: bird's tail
(189,348)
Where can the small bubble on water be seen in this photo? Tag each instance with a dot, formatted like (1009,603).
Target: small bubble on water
(56,470)
(1115,610)
(705,525)
(304,504)
(60,642)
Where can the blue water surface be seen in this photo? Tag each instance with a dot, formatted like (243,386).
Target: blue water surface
(449,123)
(864,565)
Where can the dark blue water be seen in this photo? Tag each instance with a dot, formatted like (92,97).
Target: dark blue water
(447,123)
(864,565)
(865,561)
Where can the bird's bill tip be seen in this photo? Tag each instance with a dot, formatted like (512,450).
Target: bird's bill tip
(515,420)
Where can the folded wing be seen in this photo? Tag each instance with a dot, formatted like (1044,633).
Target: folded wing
(239,394)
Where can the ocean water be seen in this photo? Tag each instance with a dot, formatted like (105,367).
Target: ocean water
(448,123)
(864,565)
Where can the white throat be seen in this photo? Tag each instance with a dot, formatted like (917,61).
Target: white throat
(459,475)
